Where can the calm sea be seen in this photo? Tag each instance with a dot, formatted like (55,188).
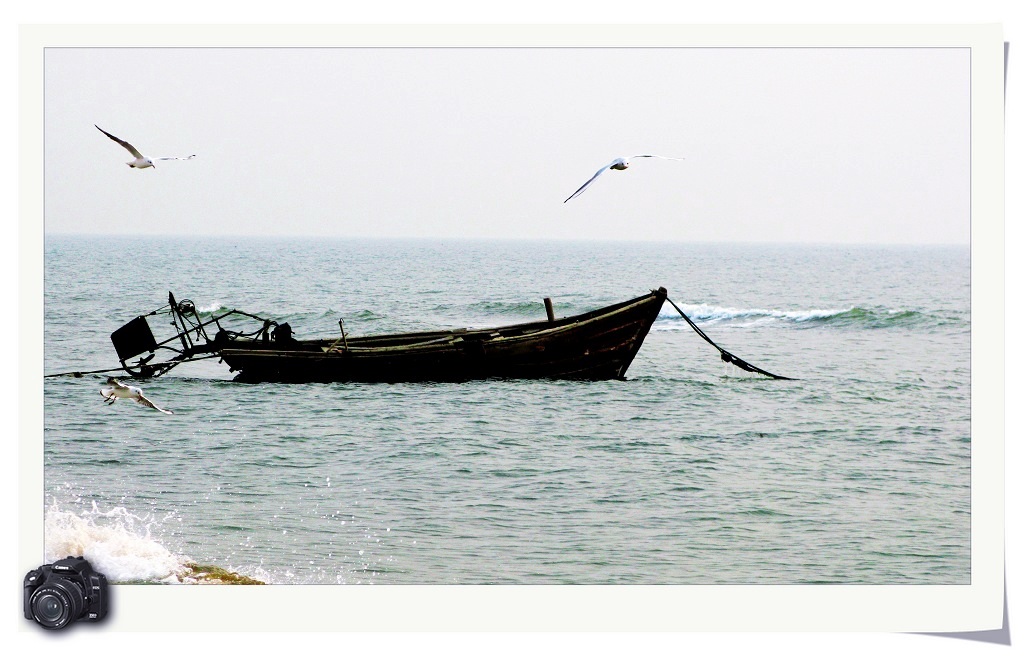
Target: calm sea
(691,471)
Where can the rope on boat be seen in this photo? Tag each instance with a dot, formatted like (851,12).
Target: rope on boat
(726,356)
(79,374)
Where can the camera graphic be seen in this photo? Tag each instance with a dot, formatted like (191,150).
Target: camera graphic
(66,591)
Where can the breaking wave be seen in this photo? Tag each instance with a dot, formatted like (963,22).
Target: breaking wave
(854,316)
(122,546)
(117,543)
(207,310)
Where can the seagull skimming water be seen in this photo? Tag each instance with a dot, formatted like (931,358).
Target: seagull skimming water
(620,164)
(119,390)
(140,161)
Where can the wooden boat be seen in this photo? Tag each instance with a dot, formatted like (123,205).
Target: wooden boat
(596,345)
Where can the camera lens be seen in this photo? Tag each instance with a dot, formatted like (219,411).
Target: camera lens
(49,608)
(57,604)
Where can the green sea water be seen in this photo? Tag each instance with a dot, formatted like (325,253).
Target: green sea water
(691,471)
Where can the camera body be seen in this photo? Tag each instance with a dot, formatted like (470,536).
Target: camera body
(66,591)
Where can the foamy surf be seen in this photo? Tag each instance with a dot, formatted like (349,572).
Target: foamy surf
(716,314)
(855,316)
(215,306)
(120,544)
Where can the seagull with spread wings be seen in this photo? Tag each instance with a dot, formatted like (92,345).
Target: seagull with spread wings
(140,161)
(119,390)
(619,164)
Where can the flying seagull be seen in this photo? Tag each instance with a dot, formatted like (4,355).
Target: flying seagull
(620,164)
(140,161)
(119,390)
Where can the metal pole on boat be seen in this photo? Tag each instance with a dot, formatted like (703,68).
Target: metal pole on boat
(550,309)
(343,338)
(183,334)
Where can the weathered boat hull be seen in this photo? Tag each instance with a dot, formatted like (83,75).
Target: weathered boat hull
(597,345)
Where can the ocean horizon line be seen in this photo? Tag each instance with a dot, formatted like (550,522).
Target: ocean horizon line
(496,239)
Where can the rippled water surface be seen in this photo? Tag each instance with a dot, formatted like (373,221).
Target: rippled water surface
(689,471)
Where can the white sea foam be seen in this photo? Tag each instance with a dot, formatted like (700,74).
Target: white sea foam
(116,542)
(712,314)
(216,306)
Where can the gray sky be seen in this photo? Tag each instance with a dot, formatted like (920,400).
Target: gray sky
(781,144)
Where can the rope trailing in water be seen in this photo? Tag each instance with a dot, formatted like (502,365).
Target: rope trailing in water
(79,374)
(726,356)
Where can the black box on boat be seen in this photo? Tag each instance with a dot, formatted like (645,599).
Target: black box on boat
(133,338)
